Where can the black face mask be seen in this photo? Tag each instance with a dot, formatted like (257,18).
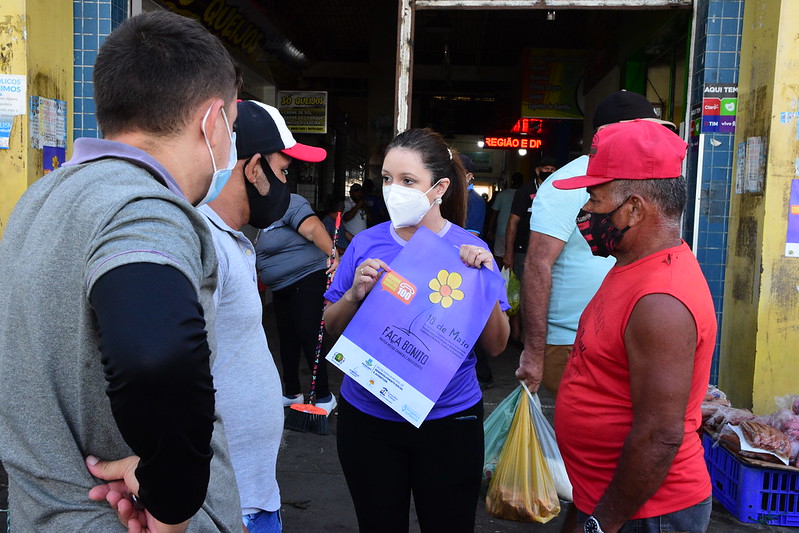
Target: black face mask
(543,176)
(265,210)
(599,232)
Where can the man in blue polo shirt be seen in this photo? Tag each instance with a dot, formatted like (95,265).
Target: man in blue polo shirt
(561,275)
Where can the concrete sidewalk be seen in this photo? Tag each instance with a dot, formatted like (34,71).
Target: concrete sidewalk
(315,495)
(314,492)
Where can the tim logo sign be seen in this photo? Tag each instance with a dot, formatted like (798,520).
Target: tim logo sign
(400,287)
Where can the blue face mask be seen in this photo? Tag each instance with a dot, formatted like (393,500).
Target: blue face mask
(221,175)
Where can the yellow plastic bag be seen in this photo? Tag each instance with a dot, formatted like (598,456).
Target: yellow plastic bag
(522,488)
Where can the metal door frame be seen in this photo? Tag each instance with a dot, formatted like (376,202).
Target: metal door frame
(406,18)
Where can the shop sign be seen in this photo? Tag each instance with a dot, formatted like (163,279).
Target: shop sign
(304,111)
(513,142)
(696,123)
(12,95)
(719,107)
(483,161)
(225,20)
(552,83)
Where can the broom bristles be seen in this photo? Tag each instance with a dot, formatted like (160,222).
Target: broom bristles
(306,417)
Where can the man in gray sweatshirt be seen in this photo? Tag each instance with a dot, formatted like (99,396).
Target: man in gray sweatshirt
(107,275)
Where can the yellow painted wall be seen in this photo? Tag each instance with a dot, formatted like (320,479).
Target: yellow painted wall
(760,330)
(35,41)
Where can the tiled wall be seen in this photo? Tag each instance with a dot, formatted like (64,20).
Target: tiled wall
(716,60)
(93,21)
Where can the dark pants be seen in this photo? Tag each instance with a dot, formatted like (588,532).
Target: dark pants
(298,313)
(694,519)
(440,463)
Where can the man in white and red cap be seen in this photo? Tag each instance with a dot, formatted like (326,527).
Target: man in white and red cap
(294,256)
(248,391)
(628,406)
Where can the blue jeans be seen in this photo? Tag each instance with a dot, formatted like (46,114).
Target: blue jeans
(263,522)
(694,519)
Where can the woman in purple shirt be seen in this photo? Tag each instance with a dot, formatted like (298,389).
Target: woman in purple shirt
(384,458)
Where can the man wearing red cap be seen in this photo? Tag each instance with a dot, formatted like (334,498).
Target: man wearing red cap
(629,403)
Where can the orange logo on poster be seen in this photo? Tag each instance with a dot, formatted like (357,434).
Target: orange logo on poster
(400,287)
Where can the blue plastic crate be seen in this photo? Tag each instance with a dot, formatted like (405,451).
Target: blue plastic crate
(752,494)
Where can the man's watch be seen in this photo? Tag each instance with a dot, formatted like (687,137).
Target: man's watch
(592,526)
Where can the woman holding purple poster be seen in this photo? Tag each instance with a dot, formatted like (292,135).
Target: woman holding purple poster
(385,459)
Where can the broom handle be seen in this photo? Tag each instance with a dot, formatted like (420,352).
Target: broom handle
(312,395)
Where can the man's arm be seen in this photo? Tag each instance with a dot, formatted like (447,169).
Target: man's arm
(155,355)
(542,251)
(350,214)
(510,240)
(661,344)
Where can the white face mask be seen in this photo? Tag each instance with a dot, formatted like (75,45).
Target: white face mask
(221,175)
(406,206)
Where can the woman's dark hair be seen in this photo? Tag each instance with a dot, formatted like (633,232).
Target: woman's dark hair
(442,162)
(155,69)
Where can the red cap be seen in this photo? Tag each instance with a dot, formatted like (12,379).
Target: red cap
(304,152)
(635,150)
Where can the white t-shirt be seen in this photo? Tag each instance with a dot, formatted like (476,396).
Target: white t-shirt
(357,223)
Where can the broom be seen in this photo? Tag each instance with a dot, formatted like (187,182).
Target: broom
(307,416)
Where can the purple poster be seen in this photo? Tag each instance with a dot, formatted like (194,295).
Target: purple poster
(417,325)
(53,158)
(792,239)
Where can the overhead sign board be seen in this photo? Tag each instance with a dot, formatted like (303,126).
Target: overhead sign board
(552,83)
(304,111)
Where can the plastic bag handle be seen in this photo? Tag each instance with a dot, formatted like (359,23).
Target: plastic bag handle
(534,401)
(524,386)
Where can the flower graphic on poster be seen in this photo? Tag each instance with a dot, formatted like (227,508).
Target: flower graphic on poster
(445,288)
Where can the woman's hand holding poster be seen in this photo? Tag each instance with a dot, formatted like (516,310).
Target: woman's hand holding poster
(417,325)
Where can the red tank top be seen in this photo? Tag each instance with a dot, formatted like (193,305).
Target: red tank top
(593,413)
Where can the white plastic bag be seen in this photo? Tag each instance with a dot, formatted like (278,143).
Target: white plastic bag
(549,446)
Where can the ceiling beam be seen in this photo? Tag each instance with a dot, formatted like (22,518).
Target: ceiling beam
(549,4)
